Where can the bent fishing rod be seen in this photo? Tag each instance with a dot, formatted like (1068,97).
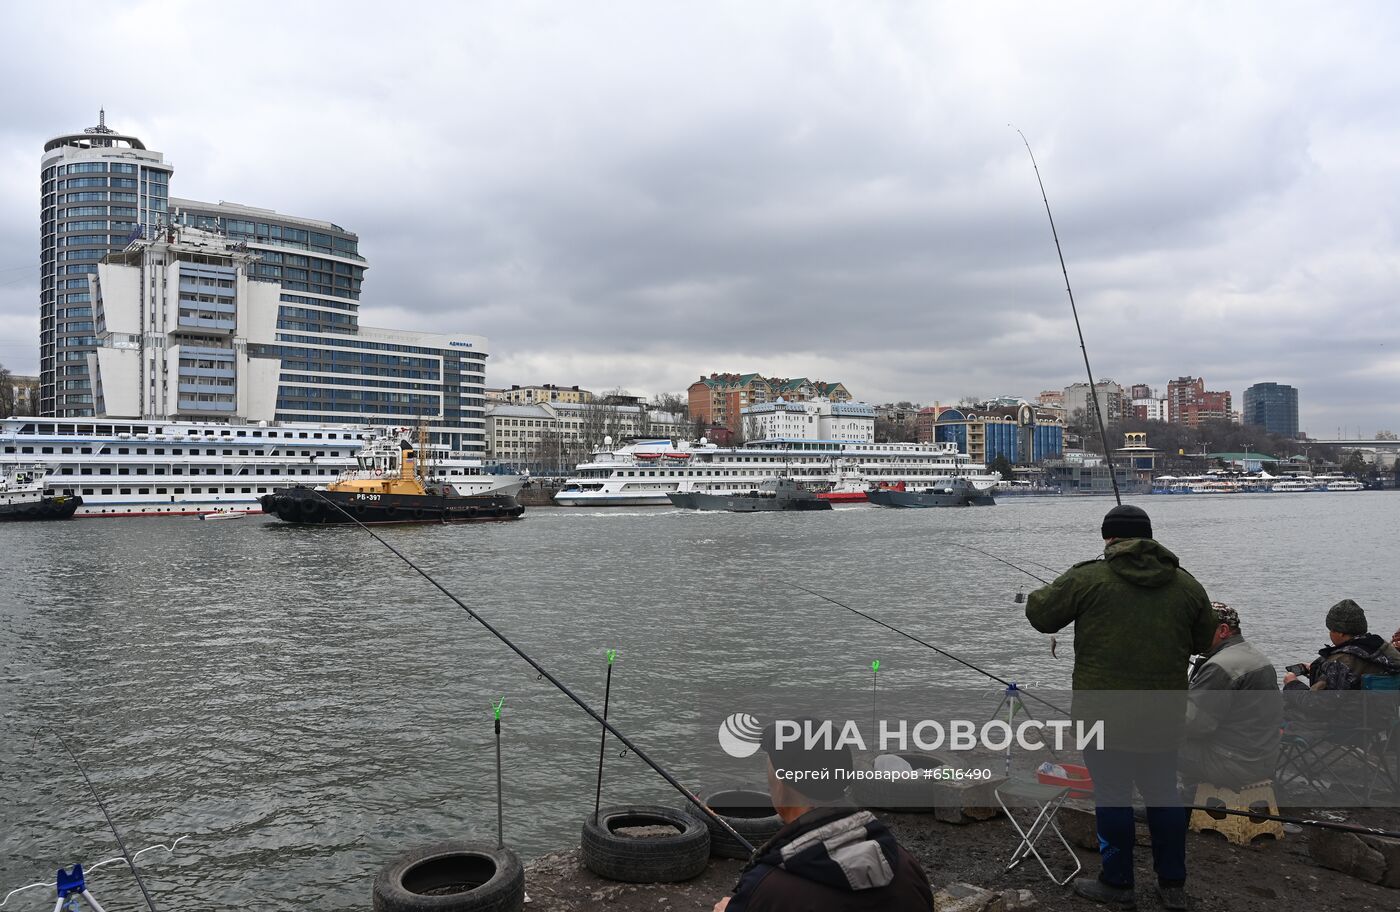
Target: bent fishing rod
(545,673)
(943,652)
(1093,390)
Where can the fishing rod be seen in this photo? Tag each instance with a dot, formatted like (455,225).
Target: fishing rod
(1054,642)
(1298,821)
(1043,567)
(544,673)
(943,652)
(121,843)
(1093,390)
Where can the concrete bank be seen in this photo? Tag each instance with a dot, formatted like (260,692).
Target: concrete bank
(539,492)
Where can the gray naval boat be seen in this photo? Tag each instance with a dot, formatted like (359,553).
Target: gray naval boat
(773,494)
(956,493)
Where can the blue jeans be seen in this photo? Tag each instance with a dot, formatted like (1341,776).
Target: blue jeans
(1114,774)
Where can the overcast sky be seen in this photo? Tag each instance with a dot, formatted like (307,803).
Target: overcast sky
(633,194)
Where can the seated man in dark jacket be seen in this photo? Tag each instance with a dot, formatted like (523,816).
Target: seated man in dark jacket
(1234,711)
(829,856)
(1354,653)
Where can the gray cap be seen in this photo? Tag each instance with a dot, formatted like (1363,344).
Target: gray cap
(1347,617)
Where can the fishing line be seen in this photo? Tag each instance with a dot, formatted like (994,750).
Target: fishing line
(544,673)
(1008,563)
(121,843)
(1093,390)
(943,652)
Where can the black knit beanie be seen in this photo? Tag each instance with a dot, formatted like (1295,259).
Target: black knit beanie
(1125,521)
(1347,617)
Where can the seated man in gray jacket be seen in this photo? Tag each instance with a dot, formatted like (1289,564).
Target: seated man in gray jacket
(1234,712)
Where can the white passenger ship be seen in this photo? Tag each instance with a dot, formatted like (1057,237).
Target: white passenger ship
(1262,483)
(644,472)
(154,467)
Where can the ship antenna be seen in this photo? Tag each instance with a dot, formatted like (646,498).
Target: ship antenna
(1093,390)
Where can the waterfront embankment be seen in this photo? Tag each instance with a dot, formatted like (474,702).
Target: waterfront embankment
(1264,877)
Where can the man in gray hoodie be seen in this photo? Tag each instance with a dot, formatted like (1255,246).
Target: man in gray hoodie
(1234,710)
(829,855)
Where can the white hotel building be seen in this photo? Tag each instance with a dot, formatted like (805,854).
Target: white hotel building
(811,419)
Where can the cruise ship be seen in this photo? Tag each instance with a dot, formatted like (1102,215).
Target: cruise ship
(642,473)
(162,468)
(1261,483)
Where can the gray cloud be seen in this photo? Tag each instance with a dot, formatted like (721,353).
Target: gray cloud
(636,193)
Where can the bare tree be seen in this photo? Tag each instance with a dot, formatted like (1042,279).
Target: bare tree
(674,403)
(546,455)
(7,393)
(749,429)
(598,420)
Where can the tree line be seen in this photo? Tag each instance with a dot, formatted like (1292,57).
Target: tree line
(7,393)
(558,452)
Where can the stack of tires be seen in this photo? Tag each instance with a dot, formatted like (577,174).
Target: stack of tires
(452,877)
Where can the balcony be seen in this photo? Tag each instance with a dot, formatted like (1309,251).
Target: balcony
(208,389)
(190,405)
(228,324)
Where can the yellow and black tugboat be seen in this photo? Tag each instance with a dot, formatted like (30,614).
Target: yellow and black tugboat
(388,487)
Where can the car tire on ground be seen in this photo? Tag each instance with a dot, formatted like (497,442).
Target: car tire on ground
(747,809)
(453,876)
(658,858)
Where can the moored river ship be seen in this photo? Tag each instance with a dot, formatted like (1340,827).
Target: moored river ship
(161,467)
(643,473)
(956,493)
(388,487)
(773,495)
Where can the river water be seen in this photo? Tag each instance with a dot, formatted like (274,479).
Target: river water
(304,706)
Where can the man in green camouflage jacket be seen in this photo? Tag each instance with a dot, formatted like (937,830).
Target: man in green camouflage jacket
(1138,618)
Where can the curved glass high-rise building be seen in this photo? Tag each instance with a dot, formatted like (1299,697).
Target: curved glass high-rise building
(99,190)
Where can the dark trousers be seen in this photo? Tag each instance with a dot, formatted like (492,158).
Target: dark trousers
(1115,773)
